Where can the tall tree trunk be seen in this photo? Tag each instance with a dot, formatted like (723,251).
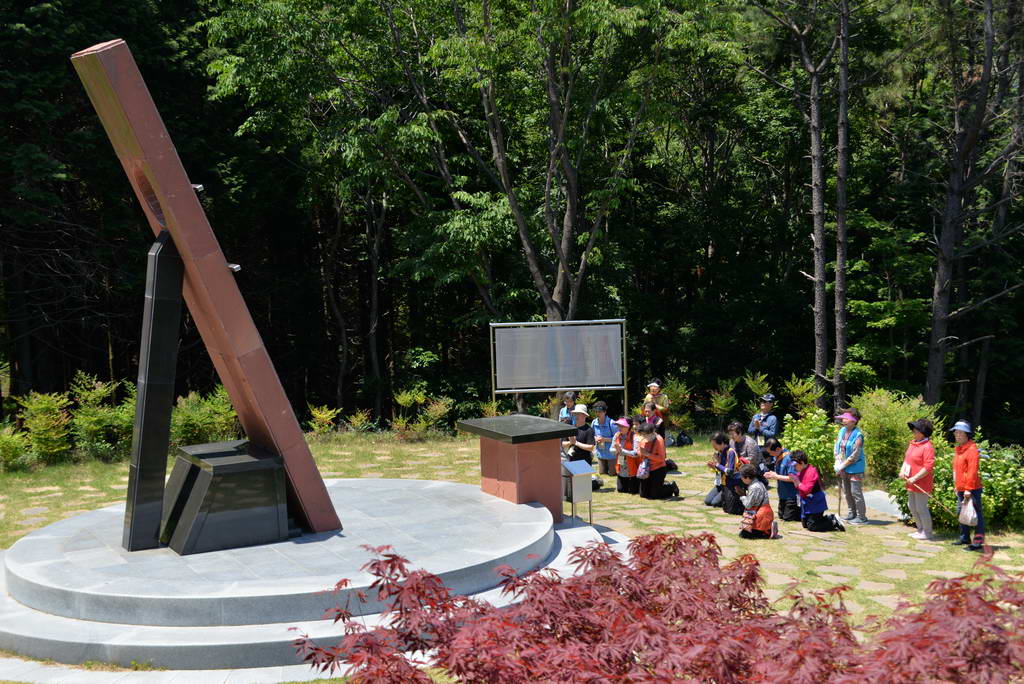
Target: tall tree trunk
(375,238)
(942,286)
(328,271)
(842,162)
(818,238)
(789,16)
(979,384)
(971,118)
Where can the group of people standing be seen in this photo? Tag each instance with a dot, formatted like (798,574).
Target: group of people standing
(632,448)
(918,473)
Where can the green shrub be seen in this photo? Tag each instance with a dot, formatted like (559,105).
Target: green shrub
(803,392)
(758,384)
(884,418)
(1002,476)
(197,419)
(435,412)
(101,430)
(416,426)
(359,421)
(47,421)
(815,434)
(322,419)
(680,394)
(723,400)
(15,451)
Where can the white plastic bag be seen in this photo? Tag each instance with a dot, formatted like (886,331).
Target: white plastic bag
(968,516)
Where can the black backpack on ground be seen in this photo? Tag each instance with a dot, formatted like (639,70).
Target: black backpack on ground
(683,439)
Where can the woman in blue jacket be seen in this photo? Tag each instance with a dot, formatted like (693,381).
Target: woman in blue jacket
(850,465)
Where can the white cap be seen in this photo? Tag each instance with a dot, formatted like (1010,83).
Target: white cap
(581,408)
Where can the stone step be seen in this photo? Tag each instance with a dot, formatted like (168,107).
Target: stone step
(76,567)
(70,640)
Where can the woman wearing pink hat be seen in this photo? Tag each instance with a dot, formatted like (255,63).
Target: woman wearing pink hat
(626,458)
(850,465)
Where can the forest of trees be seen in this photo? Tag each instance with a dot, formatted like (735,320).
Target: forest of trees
(819,187)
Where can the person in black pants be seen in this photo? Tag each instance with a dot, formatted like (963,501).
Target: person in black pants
(652,448)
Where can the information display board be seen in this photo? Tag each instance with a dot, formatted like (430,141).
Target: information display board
(552,356)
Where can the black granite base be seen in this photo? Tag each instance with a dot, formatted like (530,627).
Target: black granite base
(224,495)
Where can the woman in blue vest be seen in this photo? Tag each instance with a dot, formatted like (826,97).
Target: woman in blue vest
(850,465)
(604,433)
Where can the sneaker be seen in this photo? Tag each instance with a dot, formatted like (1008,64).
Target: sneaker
(775,529)
(675,489)
(961,542)
(838,525)
(859,520)
(915,534)
(850,516)
(973,547)
(918,535)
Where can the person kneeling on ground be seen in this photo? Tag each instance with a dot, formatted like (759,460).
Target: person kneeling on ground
(652,448)
(812,497)
(623,446)
(651,416)
(783,467)
(758,519)
(746,447)
(723,495)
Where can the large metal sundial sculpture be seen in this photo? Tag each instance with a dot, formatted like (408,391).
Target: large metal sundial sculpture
(229,493)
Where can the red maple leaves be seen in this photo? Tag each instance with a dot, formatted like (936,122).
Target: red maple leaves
(671,613)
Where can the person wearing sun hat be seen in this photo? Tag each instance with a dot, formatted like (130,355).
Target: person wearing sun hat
(850,465)
(627,460)
(967,482)
(657,397)
(918,464)
(581,446)
(764,425)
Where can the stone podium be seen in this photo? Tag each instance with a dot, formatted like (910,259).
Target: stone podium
(520,458)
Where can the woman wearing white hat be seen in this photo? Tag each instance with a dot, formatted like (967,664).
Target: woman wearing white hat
(581,446)
(967,482)
(657,397)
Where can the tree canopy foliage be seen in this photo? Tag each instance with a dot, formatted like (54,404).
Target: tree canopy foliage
(393,174)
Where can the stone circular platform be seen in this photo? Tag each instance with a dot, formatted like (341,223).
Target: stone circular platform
(77,569)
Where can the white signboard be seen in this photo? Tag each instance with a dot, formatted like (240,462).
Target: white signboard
(530,357)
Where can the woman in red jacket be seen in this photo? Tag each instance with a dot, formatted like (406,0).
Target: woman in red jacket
(918,464)
(967,482)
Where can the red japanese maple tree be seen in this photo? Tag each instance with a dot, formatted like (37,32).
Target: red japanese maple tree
(670,612)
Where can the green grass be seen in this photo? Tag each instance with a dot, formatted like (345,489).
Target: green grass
(856,558)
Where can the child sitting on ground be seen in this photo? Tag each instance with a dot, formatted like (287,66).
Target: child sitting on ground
(758,519)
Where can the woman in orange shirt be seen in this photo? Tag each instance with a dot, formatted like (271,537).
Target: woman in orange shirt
(967,482)
(652,447)
(917,470)
(626,458)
